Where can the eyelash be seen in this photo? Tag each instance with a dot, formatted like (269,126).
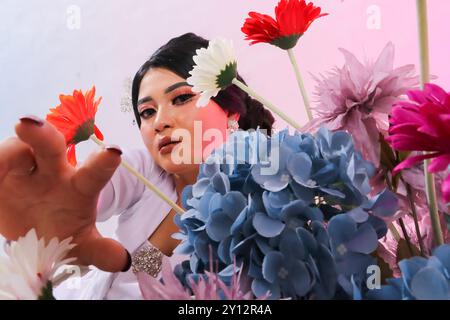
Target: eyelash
(144,112)
(186,97)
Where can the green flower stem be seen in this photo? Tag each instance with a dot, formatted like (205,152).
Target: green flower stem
(432,203)
(47,292)
(394,232)
(425,78)
(392,228)
(406,236)
(147,183)
(266,103)
(423,41)
(301,84)
(409,195)
(415,218)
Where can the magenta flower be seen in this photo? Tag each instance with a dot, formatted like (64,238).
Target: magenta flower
(358,98)
(446,190)
(423,124)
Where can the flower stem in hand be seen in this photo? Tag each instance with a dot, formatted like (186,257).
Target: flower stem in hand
(147,183)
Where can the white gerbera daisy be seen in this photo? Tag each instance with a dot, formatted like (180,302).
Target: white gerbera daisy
(215,69)
(29,266)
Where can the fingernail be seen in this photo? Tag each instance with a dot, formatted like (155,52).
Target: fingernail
(33,120)
(129,261)
(115,149)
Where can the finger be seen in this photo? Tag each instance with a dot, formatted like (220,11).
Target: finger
(97,170)
(104,253)
(47,143)
(16,157)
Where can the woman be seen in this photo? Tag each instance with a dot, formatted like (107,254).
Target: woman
(38,188)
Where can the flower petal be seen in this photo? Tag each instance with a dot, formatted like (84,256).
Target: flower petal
(430,284)
(364,240)
(440,163)
(266,226)
(273,261)
(71,157)
(218,226)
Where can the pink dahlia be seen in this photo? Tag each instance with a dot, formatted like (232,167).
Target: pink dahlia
(358,98)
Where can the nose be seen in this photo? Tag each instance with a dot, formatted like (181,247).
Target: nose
(163,119)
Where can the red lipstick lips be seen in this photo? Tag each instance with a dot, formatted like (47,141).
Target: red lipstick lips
(166,144)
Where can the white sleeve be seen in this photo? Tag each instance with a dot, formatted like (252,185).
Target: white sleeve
(124,189)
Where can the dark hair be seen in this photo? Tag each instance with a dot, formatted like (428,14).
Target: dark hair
(177,56)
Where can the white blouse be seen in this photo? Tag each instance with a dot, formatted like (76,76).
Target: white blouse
(140,212)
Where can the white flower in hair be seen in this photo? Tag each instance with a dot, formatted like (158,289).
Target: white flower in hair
(28,269)
(215,69)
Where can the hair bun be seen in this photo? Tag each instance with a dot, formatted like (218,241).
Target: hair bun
(256,116)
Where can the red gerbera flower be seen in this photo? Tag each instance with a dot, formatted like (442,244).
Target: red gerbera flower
(293,18)
(75,119)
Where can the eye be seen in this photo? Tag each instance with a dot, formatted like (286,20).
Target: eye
(182,99)
(147,113)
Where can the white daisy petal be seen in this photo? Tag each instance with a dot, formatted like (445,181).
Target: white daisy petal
(203,100)
(29,264)
(209,65)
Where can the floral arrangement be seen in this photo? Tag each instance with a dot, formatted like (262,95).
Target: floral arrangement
(340,208)
(307,231)
(334,208)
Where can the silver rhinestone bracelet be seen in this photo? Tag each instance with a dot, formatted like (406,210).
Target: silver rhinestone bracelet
(147,259)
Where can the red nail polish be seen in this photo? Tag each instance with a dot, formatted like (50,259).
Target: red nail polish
(129,261)
(114,148)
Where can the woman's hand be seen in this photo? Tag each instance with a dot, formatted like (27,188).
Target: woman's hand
(40,189)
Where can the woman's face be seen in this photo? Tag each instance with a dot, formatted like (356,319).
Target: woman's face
(173,128)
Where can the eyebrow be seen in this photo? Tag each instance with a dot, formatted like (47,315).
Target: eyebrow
(168,90)
(176,86)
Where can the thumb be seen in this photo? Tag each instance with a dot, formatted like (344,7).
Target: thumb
(104,253)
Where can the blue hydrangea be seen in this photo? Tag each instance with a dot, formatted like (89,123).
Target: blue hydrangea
(422,279)
(306,230)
